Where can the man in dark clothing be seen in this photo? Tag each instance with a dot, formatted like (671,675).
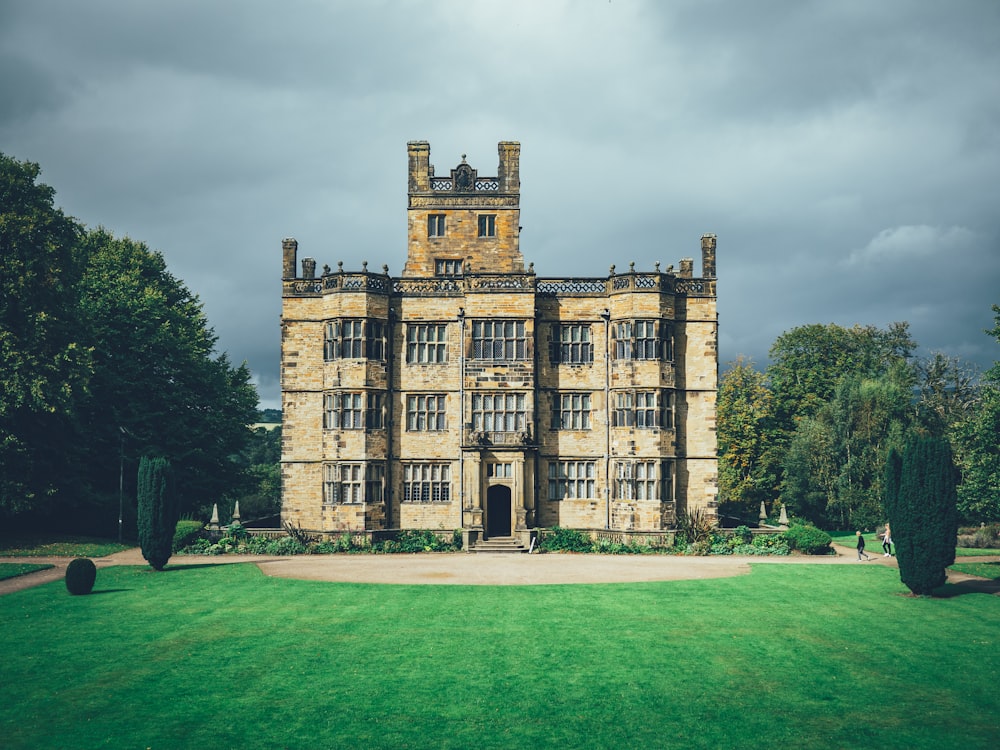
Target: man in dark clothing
(861,547)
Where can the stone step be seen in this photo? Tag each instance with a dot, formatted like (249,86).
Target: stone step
(501,545)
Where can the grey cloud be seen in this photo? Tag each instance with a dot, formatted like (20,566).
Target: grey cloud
(844,153)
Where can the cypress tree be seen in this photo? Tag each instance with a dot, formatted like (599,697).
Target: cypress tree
(920,498)
(158,510)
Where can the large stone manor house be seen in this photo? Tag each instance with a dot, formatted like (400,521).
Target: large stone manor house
(470,393)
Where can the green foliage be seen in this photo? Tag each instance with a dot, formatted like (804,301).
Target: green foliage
(186,532)
(770,544)
(743,542)
(839,394)
(808,362)
(824,631)
(157,374)
(57,545)
(80,576)
(868,416)
(810,470)
(258,488)
(343,543)
(45,362)
(989,570)
(269,415)
(948,393)
(921,501)
(13,570)
(976,439)
(742,535)
(808,539)
(415,540)
(559,539)
(158,510)
(285,546)
(695,526)
(744,413)
(610,547)
(980,537)
(104,357)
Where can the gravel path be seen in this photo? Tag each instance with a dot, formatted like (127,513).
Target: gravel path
(483,569)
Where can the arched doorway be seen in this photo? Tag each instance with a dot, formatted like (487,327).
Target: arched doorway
(498,511)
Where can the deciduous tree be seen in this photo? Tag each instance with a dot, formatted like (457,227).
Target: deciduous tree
(977,439)
(44,358)
(743,413)
(157,374)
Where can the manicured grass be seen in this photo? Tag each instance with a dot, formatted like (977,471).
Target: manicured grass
(981,569)
(13,570)
(976,552)
(52,545)
(791,655)
(873,543)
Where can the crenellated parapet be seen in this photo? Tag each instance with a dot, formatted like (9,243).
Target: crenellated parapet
(632,281)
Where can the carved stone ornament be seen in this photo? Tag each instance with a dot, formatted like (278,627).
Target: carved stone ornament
(465,178)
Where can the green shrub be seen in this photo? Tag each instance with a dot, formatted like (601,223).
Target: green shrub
(558,539)
(285,546)
(608,547)
(343,543)
(921,499)
(158,510)
(80,576)
(702,547)
(743,535)
(771,544)
(186,532)
(416,540)
(696,526)
(980,537)
(808,539)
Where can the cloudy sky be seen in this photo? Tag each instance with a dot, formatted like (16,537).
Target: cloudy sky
(845,152)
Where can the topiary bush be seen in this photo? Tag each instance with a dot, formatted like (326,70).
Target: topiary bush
(80,576)
(808,539)
(158,510)
(920,496)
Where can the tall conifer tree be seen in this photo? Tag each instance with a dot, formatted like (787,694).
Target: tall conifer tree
(921,499)
(158,510)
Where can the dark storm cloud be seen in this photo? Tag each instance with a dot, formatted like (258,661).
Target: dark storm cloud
(845,153)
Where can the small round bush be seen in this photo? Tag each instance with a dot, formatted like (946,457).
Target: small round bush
(808,540)
(80,576)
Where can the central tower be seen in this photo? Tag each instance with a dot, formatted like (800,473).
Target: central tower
(463,223)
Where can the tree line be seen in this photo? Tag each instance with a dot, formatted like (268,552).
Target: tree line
(106,357)
(814,429)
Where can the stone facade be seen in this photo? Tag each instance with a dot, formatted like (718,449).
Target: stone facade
(471,394)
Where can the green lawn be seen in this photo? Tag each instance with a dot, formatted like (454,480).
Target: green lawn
(981,569)
(791,655)
(13,570)
(873,544)
(52,545)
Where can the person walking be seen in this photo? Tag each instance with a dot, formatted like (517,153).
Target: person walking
(861,548)
(887,541)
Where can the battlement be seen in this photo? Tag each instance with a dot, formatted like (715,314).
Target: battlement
(463,180)
(632,281)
